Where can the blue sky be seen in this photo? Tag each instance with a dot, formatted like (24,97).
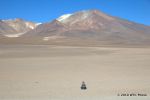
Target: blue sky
(47,10)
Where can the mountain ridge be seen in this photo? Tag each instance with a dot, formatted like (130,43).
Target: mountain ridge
(15,26)
(88,27)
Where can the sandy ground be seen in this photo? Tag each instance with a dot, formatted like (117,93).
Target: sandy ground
(56,73)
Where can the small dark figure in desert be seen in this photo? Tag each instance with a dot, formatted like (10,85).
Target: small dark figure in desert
(83,86)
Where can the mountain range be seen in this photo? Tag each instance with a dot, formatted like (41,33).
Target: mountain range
(89,27)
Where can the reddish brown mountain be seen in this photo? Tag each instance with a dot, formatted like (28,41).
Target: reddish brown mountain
(90,27)
(15,27)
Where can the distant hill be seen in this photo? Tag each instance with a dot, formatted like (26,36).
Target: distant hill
(15,27)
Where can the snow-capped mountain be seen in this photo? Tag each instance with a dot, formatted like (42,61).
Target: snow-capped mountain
(16,27)
(91,27)
(89,18)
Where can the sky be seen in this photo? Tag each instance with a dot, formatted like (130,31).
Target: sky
(48,10)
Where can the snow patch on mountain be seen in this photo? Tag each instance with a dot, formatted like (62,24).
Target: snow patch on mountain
(29,25)
(52,37)
(38,24)
(64,17)
(14,35)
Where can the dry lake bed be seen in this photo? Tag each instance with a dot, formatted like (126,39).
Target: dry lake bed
(56,73)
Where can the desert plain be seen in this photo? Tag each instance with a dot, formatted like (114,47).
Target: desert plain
(44,72)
